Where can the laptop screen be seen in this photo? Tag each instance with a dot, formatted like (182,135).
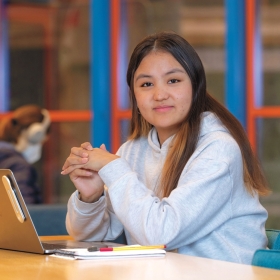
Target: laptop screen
(17,231)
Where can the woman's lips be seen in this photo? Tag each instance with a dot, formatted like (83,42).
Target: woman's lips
(163,109)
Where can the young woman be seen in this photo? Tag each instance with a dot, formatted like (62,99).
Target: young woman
(186,177)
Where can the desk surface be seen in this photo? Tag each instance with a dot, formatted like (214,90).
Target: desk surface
(18,265)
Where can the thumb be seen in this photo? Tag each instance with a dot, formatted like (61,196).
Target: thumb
(103,147)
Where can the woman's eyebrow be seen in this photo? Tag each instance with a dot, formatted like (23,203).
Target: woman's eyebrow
(175,70)
(141,76)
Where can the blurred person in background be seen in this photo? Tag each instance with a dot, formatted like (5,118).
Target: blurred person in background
(22,135)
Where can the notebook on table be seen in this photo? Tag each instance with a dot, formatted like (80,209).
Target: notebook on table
(17,231)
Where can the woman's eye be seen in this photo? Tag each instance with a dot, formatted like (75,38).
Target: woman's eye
(173,81)
(147,84)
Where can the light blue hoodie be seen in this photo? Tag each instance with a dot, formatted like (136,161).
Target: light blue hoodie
(210,213)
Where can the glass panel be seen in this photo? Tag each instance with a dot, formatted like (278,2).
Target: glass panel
(49,62)
(63,136)
(269,129)
(73,55)
(49,66)
(26,64)
(270,30)
(203,25)
(269,148)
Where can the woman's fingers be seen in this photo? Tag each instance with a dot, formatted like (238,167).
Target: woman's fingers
(80,152)
(77,156)
(71,168)
(75,174)
(87,146)
(73,161)
(103,147)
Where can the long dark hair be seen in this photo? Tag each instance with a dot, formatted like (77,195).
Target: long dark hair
(186,138)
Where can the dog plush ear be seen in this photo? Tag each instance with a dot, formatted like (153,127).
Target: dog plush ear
(14,122)
(9,129)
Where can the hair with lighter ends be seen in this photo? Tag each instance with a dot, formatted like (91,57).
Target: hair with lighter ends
(12,125)
(185,141)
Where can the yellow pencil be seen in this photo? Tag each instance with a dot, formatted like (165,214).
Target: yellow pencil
(127,248)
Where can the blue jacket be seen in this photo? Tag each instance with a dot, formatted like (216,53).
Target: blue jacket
(24,173)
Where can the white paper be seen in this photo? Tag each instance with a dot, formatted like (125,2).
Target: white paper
(84,254)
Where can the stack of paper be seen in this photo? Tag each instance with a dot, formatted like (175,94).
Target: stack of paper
(84,254)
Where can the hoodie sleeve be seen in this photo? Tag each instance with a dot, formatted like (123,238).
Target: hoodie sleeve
(92,221)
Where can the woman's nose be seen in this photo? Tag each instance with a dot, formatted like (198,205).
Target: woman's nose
(160,93)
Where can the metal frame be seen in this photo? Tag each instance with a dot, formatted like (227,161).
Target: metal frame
(4,59)
(117,114)
(235,77)
(100,76)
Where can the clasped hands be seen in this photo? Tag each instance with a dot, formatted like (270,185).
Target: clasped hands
(83,165)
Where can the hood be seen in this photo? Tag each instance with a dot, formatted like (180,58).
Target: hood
(154,143)
(210,123)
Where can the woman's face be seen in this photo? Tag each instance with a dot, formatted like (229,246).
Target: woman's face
(163,92)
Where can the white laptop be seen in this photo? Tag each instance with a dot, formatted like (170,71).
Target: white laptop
(17,231)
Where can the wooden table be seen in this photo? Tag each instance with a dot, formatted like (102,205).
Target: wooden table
(18,265)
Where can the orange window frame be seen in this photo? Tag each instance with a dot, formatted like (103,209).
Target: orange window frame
(117,115)
(254,112)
